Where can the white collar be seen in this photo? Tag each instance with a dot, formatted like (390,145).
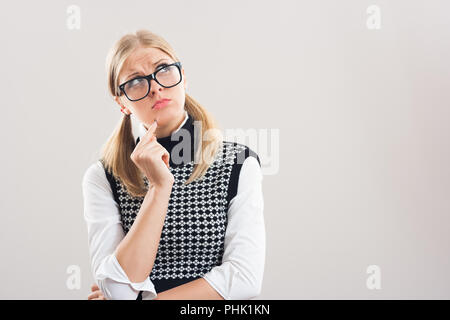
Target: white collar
(142,130)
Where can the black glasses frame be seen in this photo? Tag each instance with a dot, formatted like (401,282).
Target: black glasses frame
(152,77)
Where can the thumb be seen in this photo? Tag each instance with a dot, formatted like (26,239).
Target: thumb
(165,158)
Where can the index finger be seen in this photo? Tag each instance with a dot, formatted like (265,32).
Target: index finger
(147,136)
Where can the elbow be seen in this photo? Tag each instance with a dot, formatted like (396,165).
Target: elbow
(102,285)
(113,290)
(115,285)
(254,289)
(258,289)
(247,285)
(247,290)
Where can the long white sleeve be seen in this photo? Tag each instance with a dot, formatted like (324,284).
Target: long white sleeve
(105,232)
(241,273)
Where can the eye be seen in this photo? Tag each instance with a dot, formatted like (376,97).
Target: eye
(162,66)
(136,82)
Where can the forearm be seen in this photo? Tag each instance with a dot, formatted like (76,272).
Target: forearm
(136,253)
(198,289)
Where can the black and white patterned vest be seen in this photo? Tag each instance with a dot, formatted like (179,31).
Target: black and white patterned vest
(192,238)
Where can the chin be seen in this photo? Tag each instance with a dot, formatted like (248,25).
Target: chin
(167,115)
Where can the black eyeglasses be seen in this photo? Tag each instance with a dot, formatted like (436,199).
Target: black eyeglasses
(167,76)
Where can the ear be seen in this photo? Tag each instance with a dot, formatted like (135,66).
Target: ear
(184,78)
(123,109)
(119,102)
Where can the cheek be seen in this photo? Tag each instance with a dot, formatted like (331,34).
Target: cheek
(138,108)
(141,104)
(179,96)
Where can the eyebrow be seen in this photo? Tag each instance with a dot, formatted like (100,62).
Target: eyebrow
(138,72)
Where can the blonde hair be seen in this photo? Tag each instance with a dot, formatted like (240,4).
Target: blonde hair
(116,152)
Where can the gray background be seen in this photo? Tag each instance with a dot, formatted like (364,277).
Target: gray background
(362,116)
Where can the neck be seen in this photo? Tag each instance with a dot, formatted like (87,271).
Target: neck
(162,132)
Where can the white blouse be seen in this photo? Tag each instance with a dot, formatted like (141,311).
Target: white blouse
(238,277)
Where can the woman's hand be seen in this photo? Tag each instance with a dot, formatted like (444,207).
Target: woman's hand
(153,159)
(96,293)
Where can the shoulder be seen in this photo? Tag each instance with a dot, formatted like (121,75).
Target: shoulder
(239,153)
(245,167)
(95,174)
(98,197)
(251,169)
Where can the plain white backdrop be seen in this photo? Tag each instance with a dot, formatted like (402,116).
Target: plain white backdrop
(362,114)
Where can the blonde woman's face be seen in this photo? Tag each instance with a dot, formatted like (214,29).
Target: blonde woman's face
(142,62)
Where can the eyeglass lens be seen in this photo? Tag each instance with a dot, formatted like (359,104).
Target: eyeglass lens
(138,88)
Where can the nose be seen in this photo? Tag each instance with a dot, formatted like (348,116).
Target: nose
(154,87)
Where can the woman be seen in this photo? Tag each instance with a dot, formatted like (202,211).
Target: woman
(170,215)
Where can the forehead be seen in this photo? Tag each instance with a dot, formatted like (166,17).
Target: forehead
(143,59)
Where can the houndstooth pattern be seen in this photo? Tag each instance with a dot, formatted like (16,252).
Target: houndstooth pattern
(192,239)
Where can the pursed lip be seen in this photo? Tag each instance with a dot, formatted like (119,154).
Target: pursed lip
(160,101)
